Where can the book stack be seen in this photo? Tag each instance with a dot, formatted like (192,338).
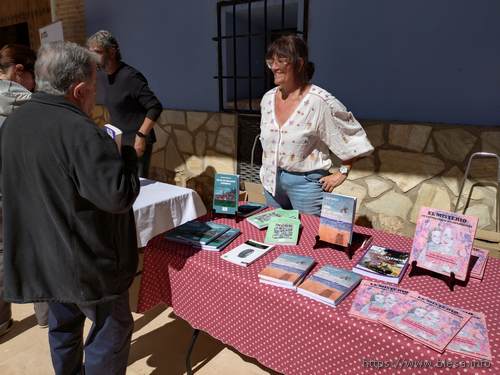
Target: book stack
(425,320)
(262,220)
(479,257)
(283,231)
(337,219)
(443,242)
(205,235)
(382,263)
(226,193)
(287,270)
(219,243)
(430,322)
(329,285)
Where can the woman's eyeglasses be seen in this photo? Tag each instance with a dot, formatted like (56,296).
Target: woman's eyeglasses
(281,63)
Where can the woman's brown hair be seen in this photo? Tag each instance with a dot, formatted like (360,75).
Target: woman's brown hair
(294,49)
(12,54)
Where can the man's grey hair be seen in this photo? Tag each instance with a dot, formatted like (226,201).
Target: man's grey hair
(104,39)
(61,64)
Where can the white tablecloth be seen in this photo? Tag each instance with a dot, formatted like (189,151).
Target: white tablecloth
(160,207)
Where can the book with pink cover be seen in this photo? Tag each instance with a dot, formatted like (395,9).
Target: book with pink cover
(443,241)
(374,299)
(480,257)
(425,320)
(472,340)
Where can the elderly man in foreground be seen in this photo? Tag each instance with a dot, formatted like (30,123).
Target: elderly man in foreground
(68,222)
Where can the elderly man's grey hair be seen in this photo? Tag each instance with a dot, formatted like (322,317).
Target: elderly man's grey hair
(61,64)
(104,39)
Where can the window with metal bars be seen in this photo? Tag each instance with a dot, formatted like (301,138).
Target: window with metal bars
(244,30)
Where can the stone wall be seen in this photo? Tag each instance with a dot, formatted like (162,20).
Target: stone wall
(190,148)
(417,165)
(413,165)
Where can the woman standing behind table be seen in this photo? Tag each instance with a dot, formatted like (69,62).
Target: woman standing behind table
(17,80)
(300,124)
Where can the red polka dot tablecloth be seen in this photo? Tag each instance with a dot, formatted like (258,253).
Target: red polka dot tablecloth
(293,334)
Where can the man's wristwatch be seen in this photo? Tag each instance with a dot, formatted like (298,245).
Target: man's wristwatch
(344,169)
(141,134)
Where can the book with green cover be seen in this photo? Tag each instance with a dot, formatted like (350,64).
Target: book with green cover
(220,242)
(196,232)
(226,192)
(283,231)
(261,220)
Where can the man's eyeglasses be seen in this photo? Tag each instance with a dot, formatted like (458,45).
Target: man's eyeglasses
(281,62)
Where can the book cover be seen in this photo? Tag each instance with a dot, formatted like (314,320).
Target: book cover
(226,193)
(425,320)
(222,241)
(247,253)
(283,231)
(115,134)
(479,257)
(329,285)
(262,220)
(382,263)
(443,241)
(196,232)
(472,340)
(250,208)
(287,269)
(374,299)
(337,219)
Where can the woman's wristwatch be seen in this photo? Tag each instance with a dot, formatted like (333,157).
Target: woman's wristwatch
(344,169)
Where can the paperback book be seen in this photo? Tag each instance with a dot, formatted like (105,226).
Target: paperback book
(222,241)
(480,258)
(250,208)
(262,220)
(383,264)
(114,133)
(287,270)
(472,340)
(443,242)
(425,320)
(197,233)
(283,231)
(337,219)
(329,285)
(374,299)
(247,253)
(226,193)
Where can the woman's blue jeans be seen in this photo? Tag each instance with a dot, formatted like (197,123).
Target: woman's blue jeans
(299,191)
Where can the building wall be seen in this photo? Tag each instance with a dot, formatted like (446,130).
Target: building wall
(35,12)
(427,60)
(72,15)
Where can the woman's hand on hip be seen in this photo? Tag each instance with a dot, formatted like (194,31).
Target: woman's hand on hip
(332,181)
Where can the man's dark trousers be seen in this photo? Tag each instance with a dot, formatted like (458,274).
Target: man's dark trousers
(107,344)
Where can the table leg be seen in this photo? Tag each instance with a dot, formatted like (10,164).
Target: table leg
(189,370)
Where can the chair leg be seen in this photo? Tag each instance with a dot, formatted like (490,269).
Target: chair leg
(189,370)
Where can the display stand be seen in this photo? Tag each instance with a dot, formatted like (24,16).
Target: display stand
(359,241)
(416,270)
(216,215)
